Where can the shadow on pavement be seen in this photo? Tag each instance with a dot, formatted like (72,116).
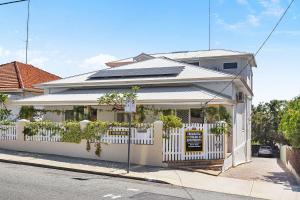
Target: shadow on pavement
(83,161)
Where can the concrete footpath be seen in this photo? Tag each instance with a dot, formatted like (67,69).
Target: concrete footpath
(252,188)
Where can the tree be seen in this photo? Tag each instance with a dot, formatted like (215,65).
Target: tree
(265,119)
(4,112)
(290,122)
(117,99)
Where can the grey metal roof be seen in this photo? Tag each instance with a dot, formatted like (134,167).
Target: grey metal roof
(137,72)
(182,55)
(183,95)
(189,73)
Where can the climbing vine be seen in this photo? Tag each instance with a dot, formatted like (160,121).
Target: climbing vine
(4,112)
(32,128)
(221,117)
(71,132)
(169,122)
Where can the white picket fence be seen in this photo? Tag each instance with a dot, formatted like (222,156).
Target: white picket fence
(45,135)
(8,132)
(138,136)
(174,144)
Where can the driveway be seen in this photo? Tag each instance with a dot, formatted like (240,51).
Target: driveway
(262,169)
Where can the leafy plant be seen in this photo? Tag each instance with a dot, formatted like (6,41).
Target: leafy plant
(118,99)
(170,121)
(4,112)
(221,117)
(215,114)
(265,120)
(71,132)
(290,122)
(32,128)
(220,128)
(27,112)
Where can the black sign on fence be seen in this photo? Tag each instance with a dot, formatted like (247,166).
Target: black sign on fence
(118,132)
(193,140)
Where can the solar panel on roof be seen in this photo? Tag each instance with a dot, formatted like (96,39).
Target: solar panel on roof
(140,72)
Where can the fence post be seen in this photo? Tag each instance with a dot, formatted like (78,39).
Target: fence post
(20,124)
(158,140)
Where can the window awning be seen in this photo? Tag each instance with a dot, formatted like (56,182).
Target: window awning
(147,96)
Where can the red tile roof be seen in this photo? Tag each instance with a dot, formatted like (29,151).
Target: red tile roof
(17,75)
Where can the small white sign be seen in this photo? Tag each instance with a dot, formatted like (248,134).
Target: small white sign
(130,106)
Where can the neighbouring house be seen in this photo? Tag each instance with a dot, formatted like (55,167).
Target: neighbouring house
(182,83)
(18,80)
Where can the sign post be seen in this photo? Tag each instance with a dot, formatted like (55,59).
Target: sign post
(130,107)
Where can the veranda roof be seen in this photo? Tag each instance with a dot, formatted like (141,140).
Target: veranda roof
(183,95)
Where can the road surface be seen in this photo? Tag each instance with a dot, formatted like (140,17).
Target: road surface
(34,183)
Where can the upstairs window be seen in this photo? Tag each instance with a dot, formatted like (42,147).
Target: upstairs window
(232,65)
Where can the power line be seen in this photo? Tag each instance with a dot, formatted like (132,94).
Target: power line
(11,2)
(27,30)
(208,24)
(257,52)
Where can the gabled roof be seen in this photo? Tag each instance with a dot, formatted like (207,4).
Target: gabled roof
(184,55)
(180,95)
(189,74)
(16,76)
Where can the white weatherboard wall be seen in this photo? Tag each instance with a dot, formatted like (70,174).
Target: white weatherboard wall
(140,154)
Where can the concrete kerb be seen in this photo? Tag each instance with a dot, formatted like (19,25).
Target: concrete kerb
(127,176)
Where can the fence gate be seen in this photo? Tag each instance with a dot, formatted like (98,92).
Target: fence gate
(176,147)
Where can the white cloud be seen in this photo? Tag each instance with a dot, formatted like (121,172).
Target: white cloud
(4,52)
(98,61)
(40,61)
(253,20)
(271,7)
(228,26)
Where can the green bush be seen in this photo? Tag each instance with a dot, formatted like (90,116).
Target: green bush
(170,121)
(71,132)
(32,128)
(290,122)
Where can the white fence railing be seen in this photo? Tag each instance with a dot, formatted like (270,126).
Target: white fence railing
(174,144)
(45,135)
(8,132)
(115,135)
(138,135)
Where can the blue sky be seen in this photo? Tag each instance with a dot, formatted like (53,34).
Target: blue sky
(68,37)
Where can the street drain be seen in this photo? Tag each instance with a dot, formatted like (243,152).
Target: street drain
(80,179)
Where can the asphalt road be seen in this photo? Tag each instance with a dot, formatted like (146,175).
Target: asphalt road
(34,183)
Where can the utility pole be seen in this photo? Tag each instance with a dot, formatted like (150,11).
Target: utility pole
(27,30)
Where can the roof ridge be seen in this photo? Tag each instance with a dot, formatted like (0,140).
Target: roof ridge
(204,50)
(21,84)
(177,52)
(30,65)
(69,77)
